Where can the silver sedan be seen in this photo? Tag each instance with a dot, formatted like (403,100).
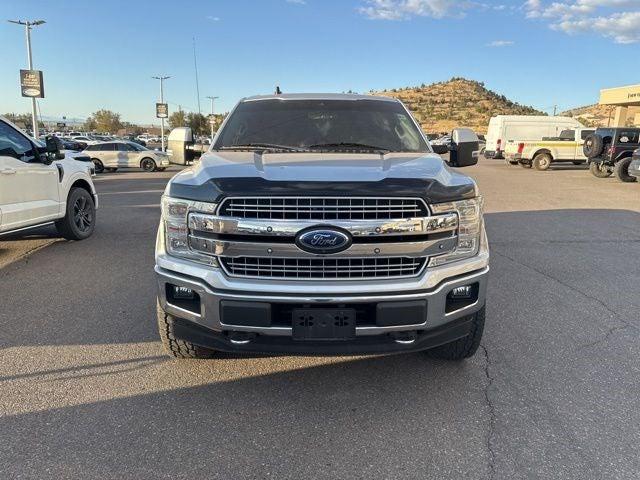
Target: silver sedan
(122,154)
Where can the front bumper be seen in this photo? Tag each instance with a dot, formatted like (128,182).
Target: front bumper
(493,154)
(634,168)
(205,325)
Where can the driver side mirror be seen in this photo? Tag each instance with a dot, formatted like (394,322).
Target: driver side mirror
(464,148)
(54,147)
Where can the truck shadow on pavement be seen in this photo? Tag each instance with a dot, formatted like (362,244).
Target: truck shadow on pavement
(323,421)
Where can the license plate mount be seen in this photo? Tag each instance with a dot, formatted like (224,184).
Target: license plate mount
(324,323)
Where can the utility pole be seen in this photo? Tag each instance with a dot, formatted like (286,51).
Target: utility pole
(555,109)
(162,79)
(195,65)
(27,26)
(212,117)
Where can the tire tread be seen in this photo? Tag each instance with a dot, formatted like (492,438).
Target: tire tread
(464,347)
(174,346)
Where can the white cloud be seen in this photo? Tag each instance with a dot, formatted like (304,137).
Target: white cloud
(608,18)
(297,2)
(405,9)
(212,18)
(621,27)
(500,43)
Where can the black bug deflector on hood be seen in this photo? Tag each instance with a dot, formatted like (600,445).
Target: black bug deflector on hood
(232,174)
(215,189)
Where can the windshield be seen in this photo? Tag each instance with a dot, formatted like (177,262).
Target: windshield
(322,124)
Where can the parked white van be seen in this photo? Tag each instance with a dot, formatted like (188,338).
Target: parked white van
(508,128)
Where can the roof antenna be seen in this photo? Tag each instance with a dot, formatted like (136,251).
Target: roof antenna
(278,91)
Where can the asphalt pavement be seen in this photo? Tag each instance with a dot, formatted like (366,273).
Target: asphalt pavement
(86,391)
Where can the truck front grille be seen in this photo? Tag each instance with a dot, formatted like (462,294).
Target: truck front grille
(324,208)
(323,268)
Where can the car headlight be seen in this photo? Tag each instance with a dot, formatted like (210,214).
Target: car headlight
(469,229)
(175,215)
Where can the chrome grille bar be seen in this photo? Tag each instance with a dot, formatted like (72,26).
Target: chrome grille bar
(323,268)
(290,250)
(286,228)
(323,208)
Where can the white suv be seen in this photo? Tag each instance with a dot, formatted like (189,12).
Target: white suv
(39,186)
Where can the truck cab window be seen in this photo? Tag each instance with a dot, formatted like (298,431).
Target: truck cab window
(13,144)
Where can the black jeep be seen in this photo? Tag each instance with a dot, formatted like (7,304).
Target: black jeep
(609,151)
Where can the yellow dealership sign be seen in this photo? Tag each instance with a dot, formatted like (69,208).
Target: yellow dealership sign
(622,96)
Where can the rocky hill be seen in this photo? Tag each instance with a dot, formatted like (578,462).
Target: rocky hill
(441,106)
(600,115)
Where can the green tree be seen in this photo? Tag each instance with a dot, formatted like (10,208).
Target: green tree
(199,123)
(90,124)
(178,119)
(21,119)
(104,121)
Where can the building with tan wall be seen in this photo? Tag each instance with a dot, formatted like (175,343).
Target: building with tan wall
(622,98)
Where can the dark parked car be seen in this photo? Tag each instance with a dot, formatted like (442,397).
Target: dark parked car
(73,145)
(609,151)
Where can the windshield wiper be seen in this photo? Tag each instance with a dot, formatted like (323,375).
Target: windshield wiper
(261,146)
(350,146)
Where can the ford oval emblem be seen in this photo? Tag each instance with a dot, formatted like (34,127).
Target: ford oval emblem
(323,240)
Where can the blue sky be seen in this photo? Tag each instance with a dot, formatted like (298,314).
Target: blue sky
(103,54)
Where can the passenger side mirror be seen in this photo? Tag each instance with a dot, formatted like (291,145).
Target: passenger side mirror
(464,148)
(54,147)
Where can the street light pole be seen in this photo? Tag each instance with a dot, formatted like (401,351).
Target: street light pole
(27,27)
(211,121)
(162,79)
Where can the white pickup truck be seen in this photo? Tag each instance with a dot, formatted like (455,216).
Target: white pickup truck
(540,154)
(41,185)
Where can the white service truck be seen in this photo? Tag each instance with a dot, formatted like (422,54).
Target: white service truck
(506,129)
(540,154)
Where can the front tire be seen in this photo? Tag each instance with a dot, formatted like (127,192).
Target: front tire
(525,164)
(542,161)
(173,346)
(464,347)
(148,165)
(80,219)
(599,170)
(621,171)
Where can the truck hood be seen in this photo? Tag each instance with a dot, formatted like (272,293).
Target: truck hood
(221,174)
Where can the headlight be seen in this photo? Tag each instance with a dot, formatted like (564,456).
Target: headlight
(469,229)
(175,215)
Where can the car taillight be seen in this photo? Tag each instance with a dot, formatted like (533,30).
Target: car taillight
(520,147)
(499,145)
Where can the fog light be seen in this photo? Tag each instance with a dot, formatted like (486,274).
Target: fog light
(461,293)
(183,293)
